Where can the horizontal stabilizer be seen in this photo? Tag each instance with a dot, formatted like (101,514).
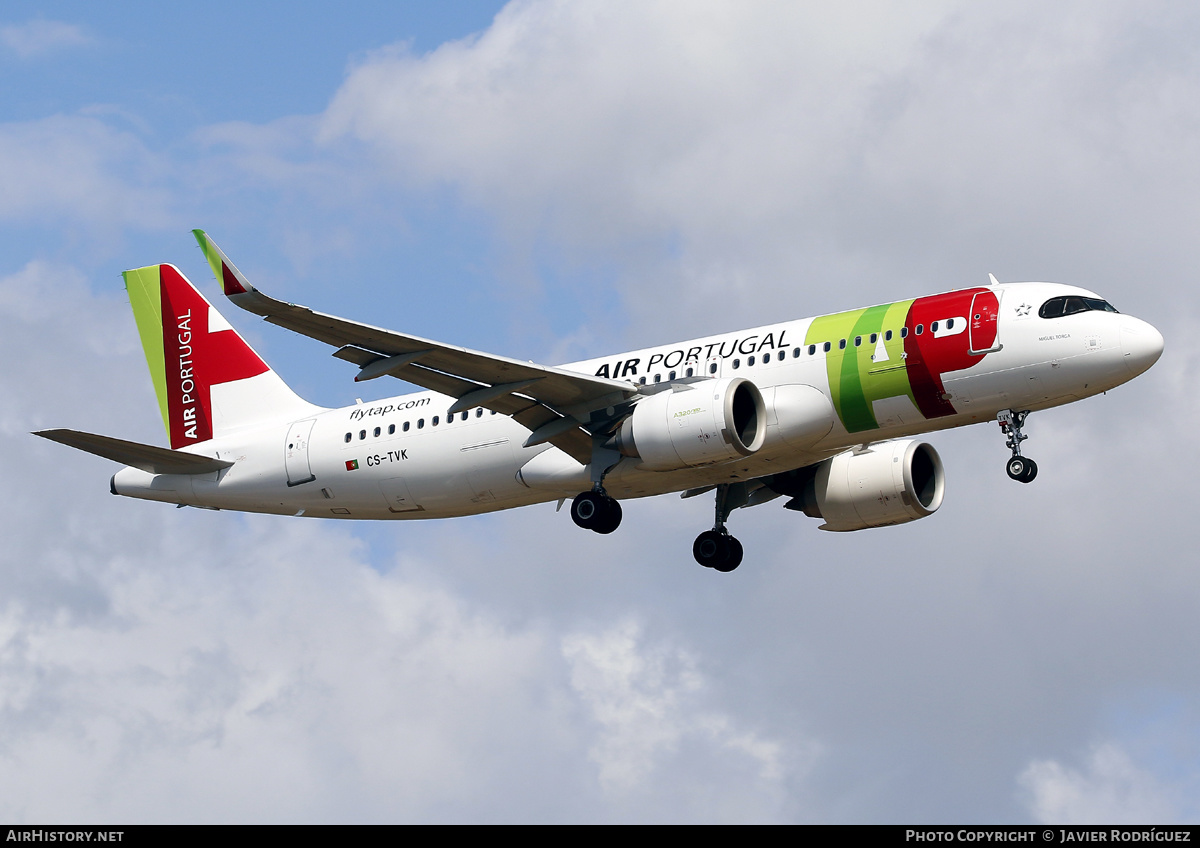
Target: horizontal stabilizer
(148,458)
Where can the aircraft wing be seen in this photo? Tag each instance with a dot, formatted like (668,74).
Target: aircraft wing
(151,459)
(552,402)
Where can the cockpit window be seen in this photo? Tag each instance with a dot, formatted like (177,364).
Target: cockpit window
(1057,307)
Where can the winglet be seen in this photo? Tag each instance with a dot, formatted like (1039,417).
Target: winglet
(231,279)
(992,280)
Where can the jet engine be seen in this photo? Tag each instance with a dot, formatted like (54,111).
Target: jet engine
(874,486)
(694,424)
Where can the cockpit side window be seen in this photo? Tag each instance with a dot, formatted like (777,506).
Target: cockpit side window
(1057,307)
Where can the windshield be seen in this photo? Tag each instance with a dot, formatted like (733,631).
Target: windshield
(1056,307)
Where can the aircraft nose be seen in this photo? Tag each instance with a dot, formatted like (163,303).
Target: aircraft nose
(1141,344)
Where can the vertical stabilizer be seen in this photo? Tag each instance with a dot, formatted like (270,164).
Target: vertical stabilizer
(209,382)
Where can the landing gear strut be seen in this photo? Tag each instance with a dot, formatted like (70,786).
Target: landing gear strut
(1020,468)
(596,511)
(715,548)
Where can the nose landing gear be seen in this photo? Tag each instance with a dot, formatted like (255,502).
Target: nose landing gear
(715,548)
(1019,468)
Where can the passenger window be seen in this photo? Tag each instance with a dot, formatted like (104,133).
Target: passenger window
(671,376)
(712,369)
(796,351)
(642,381)
(362,434)
(420,423)
(750,361)
(391,429)
(349,436)
(658,378)
(766,358)
(920,329)
(827,347)
(858,341)
(688,373)
(405,426)
(737,363)
(932,327)
(378,430)
(841,344)
(479,412)
(434,422)
(887,337)
(949,323)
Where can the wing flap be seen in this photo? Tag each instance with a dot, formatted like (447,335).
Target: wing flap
(151,459)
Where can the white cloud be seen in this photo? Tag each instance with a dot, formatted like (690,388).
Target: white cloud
(78,170)
(644,699)
(38,37)
(1110,789)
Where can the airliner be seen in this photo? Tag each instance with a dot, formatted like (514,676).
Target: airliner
(820,411)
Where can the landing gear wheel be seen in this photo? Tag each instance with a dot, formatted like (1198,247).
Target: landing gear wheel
(1022,469)
(734,558)
(611,518)
(596,511)
(717,550)
(710,548)
(587,508)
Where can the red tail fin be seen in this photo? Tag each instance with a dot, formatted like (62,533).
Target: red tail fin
(208,380)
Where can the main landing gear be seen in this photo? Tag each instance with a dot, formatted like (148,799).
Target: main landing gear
(596,511)
(1020,468)
(715,548)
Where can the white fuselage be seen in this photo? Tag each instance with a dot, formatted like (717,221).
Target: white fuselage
(404,457)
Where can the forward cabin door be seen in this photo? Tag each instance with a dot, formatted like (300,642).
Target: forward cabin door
(295,454)
(983,323)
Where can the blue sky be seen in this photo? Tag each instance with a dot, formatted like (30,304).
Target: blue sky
(555,181)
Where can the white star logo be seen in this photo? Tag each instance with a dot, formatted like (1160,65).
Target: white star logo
(1023,309)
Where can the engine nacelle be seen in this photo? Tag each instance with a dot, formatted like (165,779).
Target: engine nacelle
(883,484)
(694,424)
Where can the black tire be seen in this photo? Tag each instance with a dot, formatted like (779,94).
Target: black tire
(610,517)
(1030,471)
(588,509)
(1017,468)
(711,549)
(734,558)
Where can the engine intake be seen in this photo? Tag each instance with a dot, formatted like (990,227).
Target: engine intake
(694,424)
(883,484)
